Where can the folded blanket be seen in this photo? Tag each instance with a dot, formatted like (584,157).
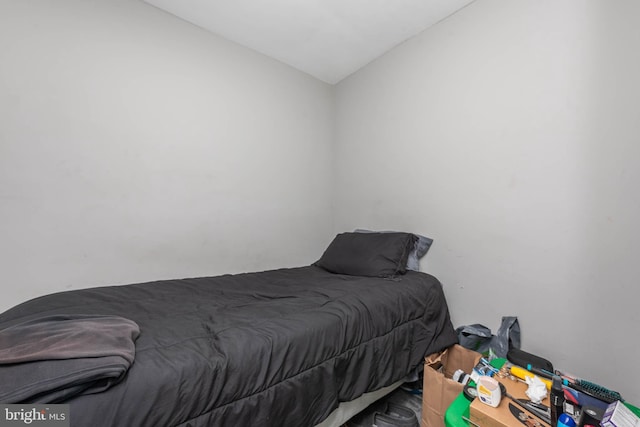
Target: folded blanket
(51,359)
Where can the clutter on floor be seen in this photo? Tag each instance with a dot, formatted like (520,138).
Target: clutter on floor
(400,408)
(462,387)
(508,386)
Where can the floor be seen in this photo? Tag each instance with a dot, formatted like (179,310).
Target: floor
(409,399)
(402,396)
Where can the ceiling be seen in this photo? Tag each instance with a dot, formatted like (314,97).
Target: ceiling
(329,39)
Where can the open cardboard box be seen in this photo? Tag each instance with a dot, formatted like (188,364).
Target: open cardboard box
(439,390)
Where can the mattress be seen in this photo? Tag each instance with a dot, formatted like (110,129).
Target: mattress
(273,348)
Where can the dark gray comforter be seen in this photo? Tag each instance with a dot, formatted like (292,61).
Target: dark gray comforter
(275,348)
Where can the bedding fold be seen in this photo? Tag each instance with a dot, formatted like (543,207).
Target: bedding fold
(53,358)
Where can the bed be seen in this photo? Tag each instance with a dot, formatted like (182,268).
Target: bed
(272,348)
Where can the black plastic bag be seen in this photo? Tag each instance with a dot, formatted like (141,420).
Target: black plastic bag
(479,338)
(475,337)
(507,337)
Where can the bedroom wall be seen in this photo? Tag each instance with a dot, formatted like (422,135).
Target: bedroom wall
(509,133)
(135,146)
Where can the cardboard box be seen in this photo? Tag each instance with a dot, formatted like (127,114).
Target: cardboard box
(618,415)
(486,416)
(439,390)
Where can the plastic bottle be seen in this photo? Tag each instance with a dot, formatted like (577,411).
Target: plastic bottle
(556,397)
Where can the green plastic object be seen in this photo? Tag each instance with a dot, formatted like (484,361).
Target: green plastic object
(460,406)
(634,409)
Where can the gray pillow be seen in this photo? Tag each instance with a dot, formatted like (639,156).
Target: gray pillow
(368,254)
(420,249)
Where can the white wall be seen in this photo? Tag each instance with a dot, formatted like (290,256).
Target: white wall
(135,146)
(510,134)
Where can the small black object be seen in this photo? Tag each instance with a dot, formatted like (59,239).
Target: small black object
(541,411)
(396,416)
(520,415)
(503,389)
(590,415)
(470,392)
(385,413)
(556,398)
(528,360)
